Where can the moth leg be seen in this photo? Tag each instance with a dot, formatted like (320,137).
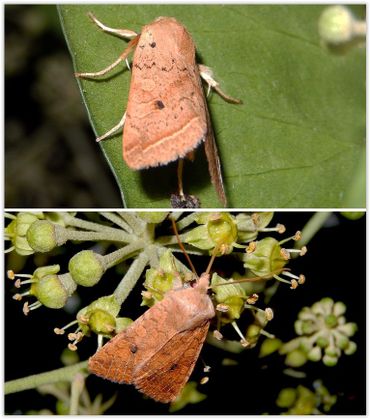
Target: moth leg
(115,129)
(180,169)
(123,33)
(207,75)
(121,58)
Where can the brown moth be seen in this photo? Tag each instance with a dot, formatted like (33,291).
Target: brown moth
(167,116)
(157,352)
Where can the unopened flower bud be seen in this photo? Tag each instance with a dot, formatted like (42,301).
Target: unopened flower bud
(86,268)
(42,236)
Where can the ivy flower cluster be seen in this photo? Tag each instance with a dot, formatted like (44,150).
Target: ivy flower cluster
(136,239)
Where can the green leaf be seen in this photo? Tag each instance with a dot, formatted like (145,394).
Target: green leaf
(295,141)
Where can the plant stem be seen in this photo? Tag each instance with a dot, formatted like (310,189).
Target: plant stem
(136,223)
(132,275)
(112,259)
(115,235)
(116,219)
(77,387)
(36,380)
(86,225)
(312,227)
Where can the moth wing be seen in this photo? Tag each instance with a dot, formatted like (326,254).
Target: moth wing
(166,114)
(118,359)
(165,374)
(214,164)
(115,360)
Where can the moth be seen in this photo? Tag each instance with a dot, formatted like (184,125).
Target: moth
(157,352)
(167,116)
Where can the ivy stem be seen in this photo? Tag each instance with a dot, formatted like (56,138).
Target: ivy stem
(85,225)
(77,387)
(112,259)
(186,221)
(36,380)
(312,227)
(116,219)
(112,235)
(131,277)
(135,222)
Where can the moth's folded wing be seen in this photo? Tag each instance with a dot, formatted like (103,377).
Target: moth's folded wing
(118,359)
(214,164)
(166,122)
(165,374)
(115,361)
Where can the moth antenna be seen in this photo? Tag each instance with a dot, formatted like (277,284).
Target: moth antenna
(213,257)
(183,248)
(253,279)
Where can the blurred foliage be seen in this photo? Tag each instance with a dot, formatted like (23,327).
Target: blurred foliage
(50,153)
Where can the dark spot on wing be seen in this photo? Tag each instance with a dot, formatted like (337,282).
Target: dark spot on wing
(133,349)
(159,104)
(153,44)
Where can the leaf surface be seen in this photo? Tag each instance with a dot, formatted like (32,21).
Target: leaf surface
(298,137)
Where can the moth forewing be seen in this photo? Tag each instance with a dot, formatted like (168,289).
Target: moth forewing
(166,112)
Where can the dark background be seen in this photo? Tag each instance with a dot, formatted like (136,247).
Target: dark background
(334,267)
(51,157)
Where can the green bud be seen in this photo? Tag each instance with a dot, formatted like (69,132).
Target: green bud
(332,351)
(50,291)
(331,321)
(298,327)
(336,25)
(322,342)
(155,217)
(339,308)
(341,341)
(351,348)
(286,398)
(62,407)
(266,258)
(308,327)
(253,333)
(290,346)
(353,215)
(86,268)
(296,358)
(314,354)
(269,346)
(69,357)
(24,221)
(305,344)
(17,229)
(41,236)
(348,329)
(327,305)
(330,361)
